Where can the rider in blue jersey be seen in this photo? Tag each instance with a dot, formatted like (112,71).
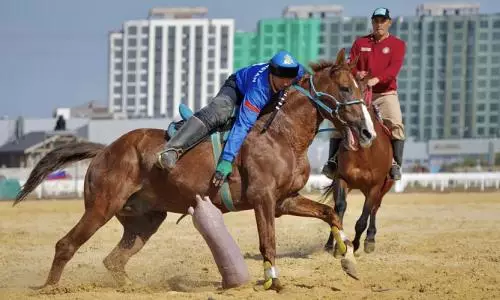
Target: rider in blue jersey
(250,89)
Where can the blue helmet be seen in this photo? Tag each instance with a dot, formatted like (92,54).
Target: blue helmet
(283,64)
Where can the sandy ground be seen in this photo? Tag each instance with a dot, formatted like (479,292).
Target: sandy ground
(429,246)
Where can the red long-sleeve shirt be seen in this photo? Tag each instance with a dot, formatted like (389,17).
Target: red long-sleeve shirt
(382,59)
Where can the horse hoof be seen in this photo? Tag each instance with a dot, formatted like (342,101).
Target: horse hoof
(348,263)
(46,288)
(125,281)
(273,284)
(369,246)
(38,287)
(349,267)
(276,286)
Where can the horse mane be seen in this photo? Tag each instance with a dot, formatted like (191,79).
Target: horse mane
(321,64)
(316,67)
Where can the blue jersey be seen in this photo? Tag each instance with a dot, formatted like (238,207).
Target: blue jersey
(253,83)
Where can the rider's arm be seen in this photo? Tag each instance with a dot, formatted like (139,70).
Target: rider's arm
(395,64)
(254,101)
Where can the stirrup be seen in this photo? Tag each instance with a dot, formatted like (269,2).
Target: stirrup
(391,175)
(178,153)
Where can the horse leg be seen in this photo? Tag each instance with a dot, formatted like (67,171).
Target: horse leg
(361,223)
(370,198)
(298,205)
(264,216)
(372,229)
(136,232)
(339,197)
(93,219)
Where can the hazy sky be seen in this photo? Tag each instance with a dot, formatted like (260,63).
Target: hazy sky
(53,53)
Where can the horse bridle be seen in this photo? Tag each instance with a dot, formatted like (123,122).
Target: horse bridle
(316,98)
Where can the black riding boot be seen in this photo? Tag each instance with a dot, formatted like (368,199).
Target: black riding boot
(190,134)
(397,149)
(330,167)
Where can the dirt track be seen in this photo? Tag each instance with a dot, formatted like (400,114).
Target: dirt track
(428,247)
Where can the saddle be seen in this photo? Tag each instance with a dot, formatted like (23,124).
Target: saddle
(218,139)
(185,112)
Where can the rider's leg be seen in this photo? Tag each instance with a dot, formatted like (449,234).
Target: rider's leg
(330,167)
(204,121)
(391,113)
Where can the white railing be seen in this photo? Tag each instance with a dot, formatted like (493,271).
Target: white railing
(434,181)
(444,181)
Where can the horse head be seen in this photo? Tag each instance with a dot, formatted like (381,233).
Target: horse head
(340,99)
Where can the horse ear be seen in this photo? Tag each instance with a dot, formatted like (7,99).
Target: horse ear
(353,62)
(340,57)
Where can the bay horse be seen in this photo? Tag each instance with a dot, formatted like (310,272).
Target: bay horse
(365,169)
(269,172)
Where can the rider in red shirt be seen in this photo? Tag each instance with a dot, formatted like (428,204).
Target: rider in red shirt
(380,56)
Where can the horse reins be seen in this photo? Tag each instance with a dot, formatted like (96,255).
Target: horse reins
(316,98)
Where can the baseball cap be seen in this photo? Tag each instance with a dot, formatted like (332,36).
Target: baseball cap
(381,12)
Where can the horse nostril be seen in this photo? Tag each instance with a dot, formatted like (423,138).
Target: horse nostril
(366,133)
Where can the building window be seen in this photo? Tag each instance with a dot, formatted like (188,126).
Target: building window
(132,30)
(362,26)
(131,54)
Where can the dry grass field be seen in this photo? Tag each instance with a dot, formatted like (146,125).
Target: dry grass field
(429,246)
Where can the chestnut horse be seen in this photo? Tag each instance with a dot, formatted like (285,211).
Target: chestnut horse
(366,169)
(269,172)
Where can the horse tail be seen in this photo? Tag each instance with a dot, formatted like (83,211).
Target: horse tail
(327,192)
(54,160)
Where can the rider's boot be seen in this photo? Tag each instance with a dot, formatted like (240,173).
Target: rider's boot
(190,134)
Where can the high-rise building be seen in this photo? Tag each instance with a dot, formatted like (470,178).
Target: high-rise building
(175,56)
(449,85)
(294,33)
(447,9)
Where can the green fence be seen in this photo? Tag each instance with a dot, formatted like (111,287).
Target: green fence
(9,189)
